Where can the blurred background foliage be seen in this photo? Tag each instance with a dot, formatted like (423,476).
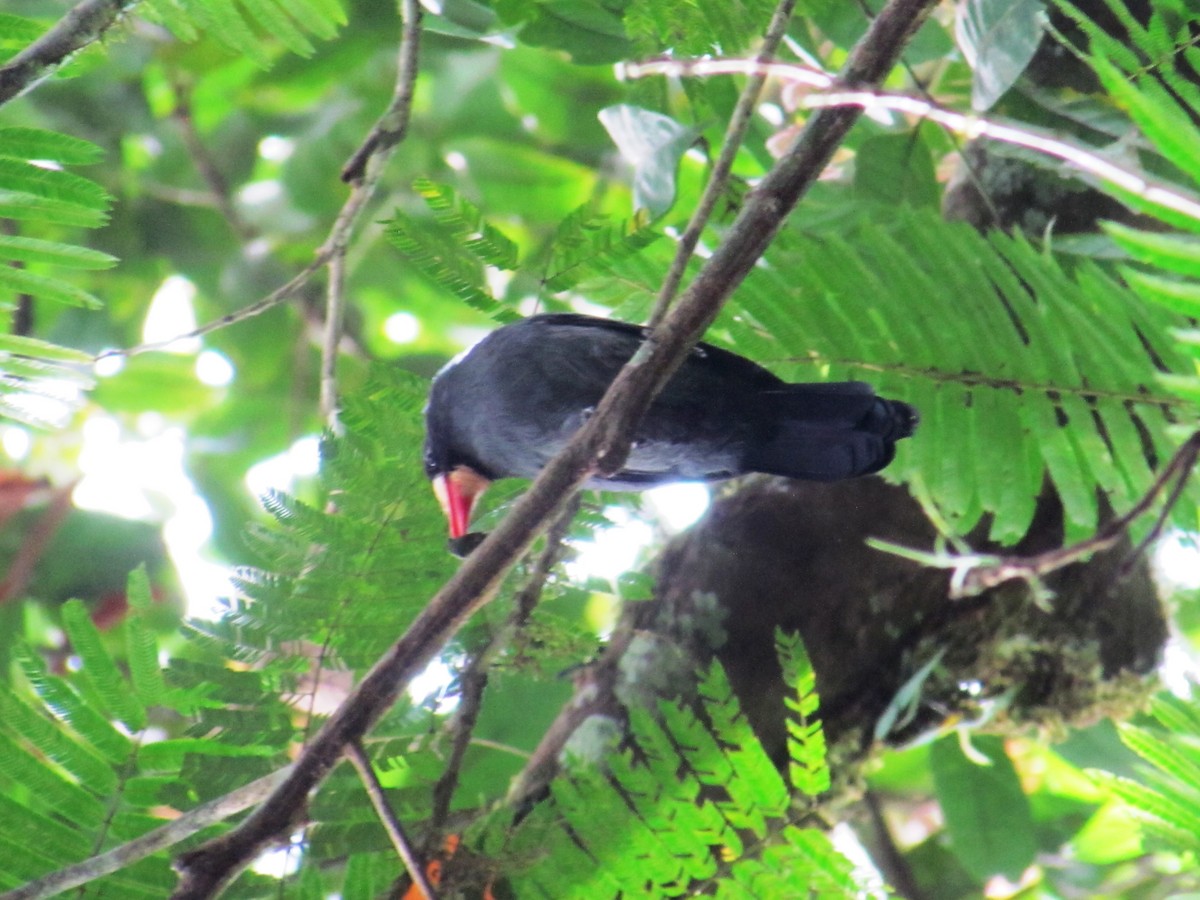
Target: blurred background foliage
(215,134)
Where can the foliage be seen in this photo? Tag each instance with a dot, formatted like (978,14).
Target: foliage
(693,802)
(200,144)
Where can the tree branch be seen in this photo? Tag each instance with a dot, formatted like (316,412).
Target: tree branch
(1032,569)
(401,843)
(188,824)
(975,573)
(735,131)
(474,679)
(206,166)
(362,189)
(601,445)
(84,23)
(393,124)
(828,93)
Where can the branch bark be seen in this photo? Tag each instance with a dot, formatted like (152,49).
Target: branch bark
(188,824)
(735,131)
(83,24)
(601,445)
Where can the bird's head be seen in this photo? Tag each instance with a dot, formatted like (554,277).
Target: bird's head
(457,486)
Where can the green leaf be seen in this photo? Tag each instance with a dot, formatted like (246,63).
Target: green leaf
(21,281)
(1175,815)
(49,790)
(896,169)
(987,814)
(1167,756)
(1110,835)
(653,144)
(25,206)
(44,350)
(694,29)
(588,246)
(84,764)
(99,668)
(38,251)
(586,29)
(16,31)
(89,722)
(276,21)
(1175,252)
(1177,295)
(464,221)
(223,20)
(17,177)
(35,143)
(998,39)
(442,257)
(808,767)
(169,755)
(141,646)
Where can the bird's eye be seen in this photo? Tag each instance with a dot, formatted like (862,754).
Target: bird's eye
(431,466)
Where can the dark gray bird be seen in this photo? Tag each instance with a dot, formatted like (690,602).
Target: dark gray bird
(509,404)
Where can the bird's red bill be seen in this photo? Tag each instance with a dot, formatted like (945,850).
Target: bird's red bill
(457,493)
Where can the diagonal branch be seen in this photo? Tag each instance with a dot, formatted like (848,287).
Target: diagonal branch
(188,824)
(475,678)
(735,131)
(362,173)
(599,446)
(1031,569)
(84,23)
(975,573)
(828,92)
(391,824)
(393,124)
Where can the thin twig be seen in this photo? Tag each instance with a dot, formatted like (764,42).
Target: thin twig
(600,445)
(188,824)
(975,573)
(735,132)
(84,23)
(827,94)
(206,166)
(1033,569)
(335,242)
(594,694)
(404,848)
(282,293)
(475,678)
(393,124)
(363,173)
(335,312)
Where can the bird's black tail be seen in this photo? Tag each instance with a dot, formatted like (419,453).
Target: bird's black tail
(823,432)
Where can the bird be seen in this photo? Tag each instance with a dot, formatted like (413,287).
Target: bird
(509,404)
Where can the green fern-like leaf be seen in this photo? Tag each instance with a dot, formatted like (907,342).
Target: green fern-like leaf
(692,29)
(807,768)
(448,260)
(586,244)
(970,330)
(99,668)
(1148,75)
(1167,805)
(464,220)
(695,806)
(75,757)
(999,385)
(141,646)
(75,709)
(16,32)
(241,26)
